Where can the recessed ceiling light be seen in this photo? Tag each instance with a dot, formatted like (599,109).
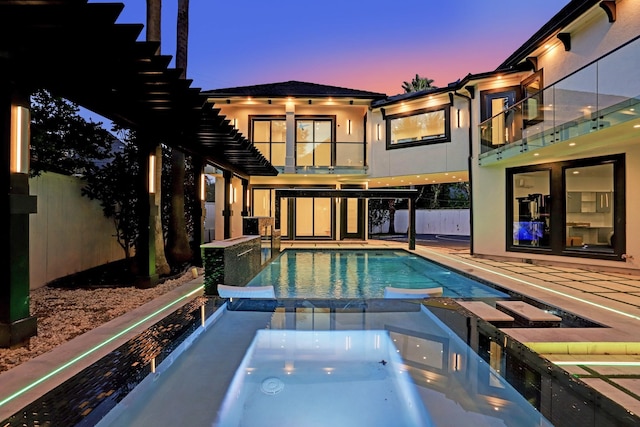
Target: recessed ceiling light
(536,154)
(636,126)
(576,172)
(572,144)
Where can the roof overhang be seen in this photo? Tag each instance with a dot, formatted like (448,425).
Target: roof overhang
(76,50)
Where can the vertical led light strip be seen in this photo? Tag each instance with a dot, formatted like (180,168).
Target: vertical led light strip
(202,187)
(152,174)
(19,139)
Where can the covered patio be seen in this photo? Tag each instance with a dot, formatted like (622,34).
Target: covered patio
(75,50)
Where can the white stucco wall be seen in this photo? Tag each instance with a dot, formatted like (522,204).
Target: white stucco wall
(591,39)
(69,233)
(433,158)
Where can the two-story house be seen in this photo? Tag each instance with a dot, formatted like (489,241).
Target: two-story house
(547,142)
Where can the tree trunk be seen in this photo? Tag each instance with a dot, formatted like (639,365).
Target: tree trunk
(392,216)
(177,241)
(154,8)
(178,248)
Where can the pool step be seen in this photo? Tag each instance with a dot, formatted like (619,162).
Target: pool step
(528,314)
(496,317)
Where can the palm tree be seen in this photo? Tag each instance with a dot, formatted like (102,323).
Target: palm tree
(417,84)
(178,247)
(154,8)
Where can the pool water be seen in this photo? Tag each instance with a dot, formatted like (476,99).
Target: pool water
(319,363)
(333,378)
(300,273)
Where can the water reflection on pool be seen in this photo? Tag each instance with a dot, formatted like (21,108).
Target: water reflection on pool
(350,273)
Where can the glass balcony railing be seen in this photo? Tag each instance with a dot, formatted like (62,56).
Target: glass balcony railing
(603,94)
(340,158)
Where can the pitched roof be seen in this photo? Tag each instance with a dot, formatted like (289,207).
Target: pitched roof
(295,89)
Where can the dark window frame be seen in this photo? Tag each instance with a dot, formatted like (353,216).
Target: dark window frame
(558,218)
(323,118)
(266,118)
(447,127)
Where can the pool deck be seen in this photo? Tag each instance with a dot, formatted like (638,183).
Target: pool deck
(608,359)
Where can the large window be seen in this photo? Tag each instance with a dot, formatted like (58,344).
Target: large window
(574,208)
(314,142)
(589,208)
(531,209)
(269,136)
(427,126)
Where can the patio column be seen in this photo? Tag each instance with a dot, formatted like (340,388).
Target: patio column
(226,210)
(16,324)
(146,247)
(290,144)
(245,198)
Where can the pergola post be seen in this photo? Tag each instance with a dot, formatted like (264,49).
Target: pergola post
(245,198)
(16,323)
(146,247)
(198,211)
(226,210)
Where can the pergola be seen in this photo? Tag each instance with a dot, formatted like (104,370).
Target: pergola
(75,50)
(355,193)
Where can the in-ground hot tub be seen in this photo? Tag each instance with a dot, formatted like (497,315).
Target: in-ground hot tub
(309,378)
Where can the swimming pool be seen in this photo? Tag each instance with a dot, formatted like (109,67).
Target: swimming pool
(285,365)
(331,273)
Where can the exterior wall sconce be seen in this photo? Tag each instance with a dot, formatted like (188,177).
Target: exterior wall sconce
(20,118)
(248,199)
(152,173)
(349,126)
(378,132)
(203,191)
(232,194)
(235,123)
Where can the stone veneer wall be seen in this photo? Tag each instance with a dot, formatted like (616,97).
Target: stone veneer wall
(231,262)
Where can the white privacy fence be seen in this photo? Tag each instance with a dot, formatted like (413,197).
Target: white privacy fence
(431,221)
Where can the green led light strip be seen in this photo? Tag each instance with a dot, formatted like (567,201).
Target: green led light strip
(97,347)
(595,363)
(604,307)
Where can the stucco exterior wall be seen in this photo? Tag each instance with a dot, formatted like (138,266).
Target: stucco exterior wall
(590,40)
(433,158)
(69,233)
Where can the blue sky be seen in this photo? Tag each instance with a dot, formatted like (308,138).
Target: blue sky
(372,45)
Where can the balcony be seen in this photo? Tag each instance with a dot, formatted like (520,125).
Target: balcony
(603,94)
(331,158)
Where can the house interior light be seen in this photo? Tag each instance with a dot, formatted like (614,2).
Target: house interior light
(19,139)
(152,173)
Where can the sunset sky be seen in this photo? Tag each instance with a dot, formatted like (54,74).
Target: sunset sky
(372,45)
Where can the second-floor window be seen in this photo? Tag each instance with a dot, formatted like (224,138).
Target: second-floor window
(314,142)
(427,126)
(269,135)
